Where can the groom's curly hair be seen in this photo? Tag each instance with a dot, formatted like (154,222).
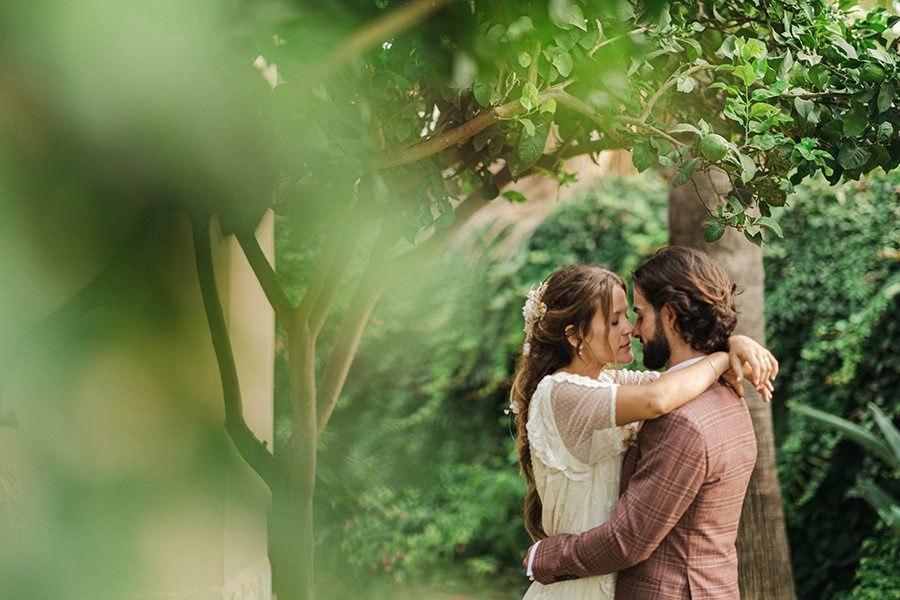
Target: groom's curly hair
(697,289)
(572,296)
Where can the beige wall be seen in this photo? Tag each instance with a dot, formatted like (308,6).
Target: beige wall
(119,481)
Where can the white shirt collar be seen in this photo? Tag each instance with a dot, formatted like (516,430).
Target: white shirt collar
(685,363)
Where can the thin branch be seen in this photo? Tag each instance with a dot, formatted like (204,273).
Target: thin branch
(369,36)
(323,270)
(651,129)
(346,244)
(465,131)
(344,351)
(580,106)
(615,39)
(266,275)
(668,85)
(406,263)
(251,449)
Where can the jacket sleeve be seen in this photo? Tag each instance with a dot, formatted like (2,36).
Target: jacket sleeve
(671,468)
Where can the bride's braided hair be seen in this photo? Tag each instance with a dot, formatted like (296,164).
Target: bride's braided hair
(571,296)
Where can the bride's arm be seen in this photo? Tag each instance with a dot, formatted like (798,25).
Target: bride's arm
(641,402)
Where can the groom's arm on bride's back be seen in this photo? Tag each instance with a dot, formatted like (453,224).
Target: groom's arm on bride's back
(667,477)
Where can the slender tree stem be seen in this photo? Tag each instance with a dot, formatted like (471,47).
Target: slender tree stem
(668,85)
(251,449)
(614,39)
(266,275)
(370,35)
(465,131)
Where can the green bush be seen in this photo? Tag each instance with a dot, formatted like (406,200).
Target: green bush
(833,318)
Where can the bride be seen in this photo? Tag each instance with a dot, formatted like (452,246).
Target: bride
(576,417)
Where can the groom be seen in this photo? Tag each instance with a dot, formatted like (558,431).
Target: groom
(673,530)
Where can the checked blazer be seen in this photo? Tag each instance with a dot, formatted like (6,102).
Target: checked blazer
(672,533)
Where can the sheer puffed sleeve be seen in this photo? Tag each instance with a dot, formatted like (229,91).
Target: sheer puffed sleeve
(571,423)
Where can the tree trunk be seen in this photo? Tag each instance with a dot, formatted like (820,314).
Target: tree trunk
(291,531)
(765,562)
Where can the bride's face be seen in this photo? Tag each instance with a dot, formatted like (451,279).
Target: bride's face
(612,345)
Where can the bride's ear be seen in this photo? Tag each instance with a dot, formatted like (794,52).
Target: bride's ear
(572,336)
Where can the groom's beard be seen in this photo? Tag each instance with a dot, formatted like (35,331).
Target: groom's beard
(657,350)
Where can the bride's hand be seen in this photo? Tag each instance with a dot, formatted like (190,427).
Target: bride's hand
(765,390)
(751,359)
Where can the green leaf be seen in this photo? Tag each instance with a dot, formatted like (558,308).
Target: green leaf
(763,142)
(565,15)
(808,110)
(685,172)
(771,224)
(776,89)
(883,503)
(686,84)
(855,121)
(696,49)
(563,63)
(886,96)
(531,147)
(713,231)
(524,59)
(851,431)
(881,56)
(747,74)
(890,433)
(483,90)
(529,96)
(852,156)
(762,110)
(748,168)
(643,155)
(753,238)
(549,106)
(685,128)
(514,196)
(519,29)
(528,127)
(849,51)
(885,131)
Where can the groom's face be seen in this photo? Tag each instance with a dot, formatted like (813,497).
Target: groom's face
(649,329)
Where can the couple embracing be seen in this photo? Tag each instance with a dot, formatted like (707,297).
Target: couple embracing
(662,522)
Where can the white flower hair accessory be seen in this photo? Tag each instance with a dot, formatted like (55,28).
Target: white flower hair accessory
(533,311)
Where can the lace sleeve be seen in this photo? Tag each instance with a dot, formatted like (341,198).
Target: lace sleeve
(581,407)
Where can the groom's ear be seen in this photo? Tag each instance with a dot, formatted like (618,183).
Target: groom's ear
(667,314)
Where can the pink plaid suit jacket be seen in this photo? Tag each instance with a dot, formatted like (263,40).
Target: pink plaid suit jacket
(673,530)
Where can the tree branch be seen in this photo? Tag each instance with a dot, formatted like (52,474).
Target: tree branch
(368,36)
(344,351)
(251,449)
(667,85)
(323,269)
(346,243)
(266,275)
(465,131)
(651,129)
(615,39)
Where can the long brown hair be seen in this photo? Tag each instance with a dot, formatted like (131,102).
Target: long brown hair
(571,295)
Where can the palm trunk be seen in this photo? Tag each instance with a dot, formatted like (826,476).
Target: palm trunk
(765,561)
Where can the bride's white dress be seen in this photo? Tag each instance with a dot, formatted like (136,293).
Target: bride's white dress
(576,453)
